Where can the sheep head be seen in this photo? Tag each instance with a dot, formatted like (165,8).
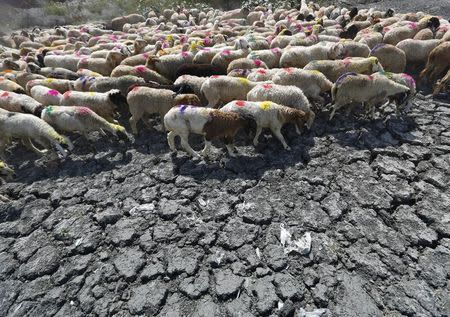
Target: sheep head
(433,24)
(442,84)
(151,62)
(376,66)
(116,97)
(11,65)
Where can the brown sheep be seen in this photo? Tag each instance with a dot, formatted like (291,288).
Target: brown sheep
(438,62)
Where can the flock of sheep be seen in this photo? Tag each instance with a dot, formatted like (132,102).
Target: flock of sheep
(213,73)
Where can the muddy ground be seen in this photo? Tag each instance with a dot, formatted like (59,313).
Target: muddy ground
(134,230)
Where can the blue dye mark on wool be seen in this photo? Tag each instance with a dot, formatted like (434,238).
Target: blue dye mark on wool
(379,45)
(183,108)
(343,76)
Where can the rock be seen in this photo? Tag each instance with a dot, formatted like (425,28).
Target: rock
(147,299)
(412,227)
(275,256)
(334,205)
(44,261)
(129,262)
(194,287)
(183,260)
(433,266)
(169,209)
(236,233)
(257,211)
(124,232)
(206,307)
(288,287)
(227,284)
(265,294)
(152,270)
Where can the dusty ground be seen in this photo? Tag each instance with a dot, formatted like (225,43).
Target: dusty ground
(133,230)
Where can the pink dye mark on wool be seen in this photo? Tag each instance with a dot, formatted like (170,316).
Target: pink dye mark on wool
(207,41)
(276,51)
(370,77)
(386,29)
(146,55)
(53,92)
(141,69)
(84,111)
(347,61)
(240,103)
(258,62)
(298,27)
(5,94)
(215,76)
(412,25)
(225,52)
(184,54)
(288,70)
(267,86)
(269,39)
(409,79)
(261,71)
(67,94)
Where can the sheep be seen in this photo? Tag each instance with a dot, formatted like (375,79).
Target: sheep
(101,65)
(392,58)
(442,84)
(201,70)
(211,123)
(79,119)
(334,69)
(438,63)
(347,48)
(238,72)
(352,87)
(195,82)
(57,73)
(69,62)
(140,71)
(290,96)
(261,74)
(105,84)
(83,83)
(87,73)
(61,85)
(299,56)
(104,104)
(29,128)
(397,34)
(271,57)
(145,100)
(167,65)
(45,95)
(270,115)
(313,83)
(403,79)
(22,78)
(417,51)
(246,63)
(225,57)
(223,89)
(19,103)
(9,85)
(6,173)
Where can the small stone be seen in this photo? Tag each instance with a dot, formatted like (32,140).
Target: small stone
(194,287)
(227,284)
(275,256)
(183,260)
(129,262)
(147,299)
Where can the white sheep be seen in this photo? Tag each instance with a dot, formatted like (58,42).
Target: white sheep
(223,89)
(290,96)
(83,83)
(270,115)
(299,56)
(261,74)
(65,61)
(123,83)
(9,85)
(245,63)
(313,83)
(211,123)
(195,83)
(372,90)
(140,71)
(225,57)
(29,128)
(79,119)
(46,96)
(145,100)
(167,65)
(335,68)
(271,57)
(104,104)
(61,85)
(392,58)
(22,78)
(19,103)
(405,80)
(417,51)
(103,66)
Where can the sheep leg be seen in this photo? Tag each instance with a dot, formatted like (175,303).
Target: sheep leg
(207,148)
(187,147)
(171,140)
(279,136)
(69,144)
(61,150)
(135,117)
(230,146)
(29,145)
(258,132)
(336,106)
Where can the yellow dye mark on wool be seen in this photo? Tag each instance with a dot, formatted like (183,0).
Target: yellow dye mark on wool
(373,60)
(49,80)
(313,71)
(92,93)
(265,105)
(243,81)
(169,38)
(2,165)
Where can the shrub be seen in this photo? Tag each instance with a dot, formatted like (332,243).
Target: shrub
(55,8)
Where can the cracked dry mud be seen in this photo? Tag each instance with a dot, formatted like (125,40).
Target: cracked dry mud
(133,230)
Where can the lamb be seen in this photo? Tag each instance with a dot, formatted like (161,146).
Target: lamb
(104,104)
(9,85)
(392,58)
(372,90)
(79,119)
(145,100)
(313,83)
(290,96)
(438,63)
(19,103)
(245,63)
(334,69)
(212,123)
(201,70)
(223,89)
(29,128)
(101,65)
(417,51)
(46,96)
(270,115)
(140,71)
